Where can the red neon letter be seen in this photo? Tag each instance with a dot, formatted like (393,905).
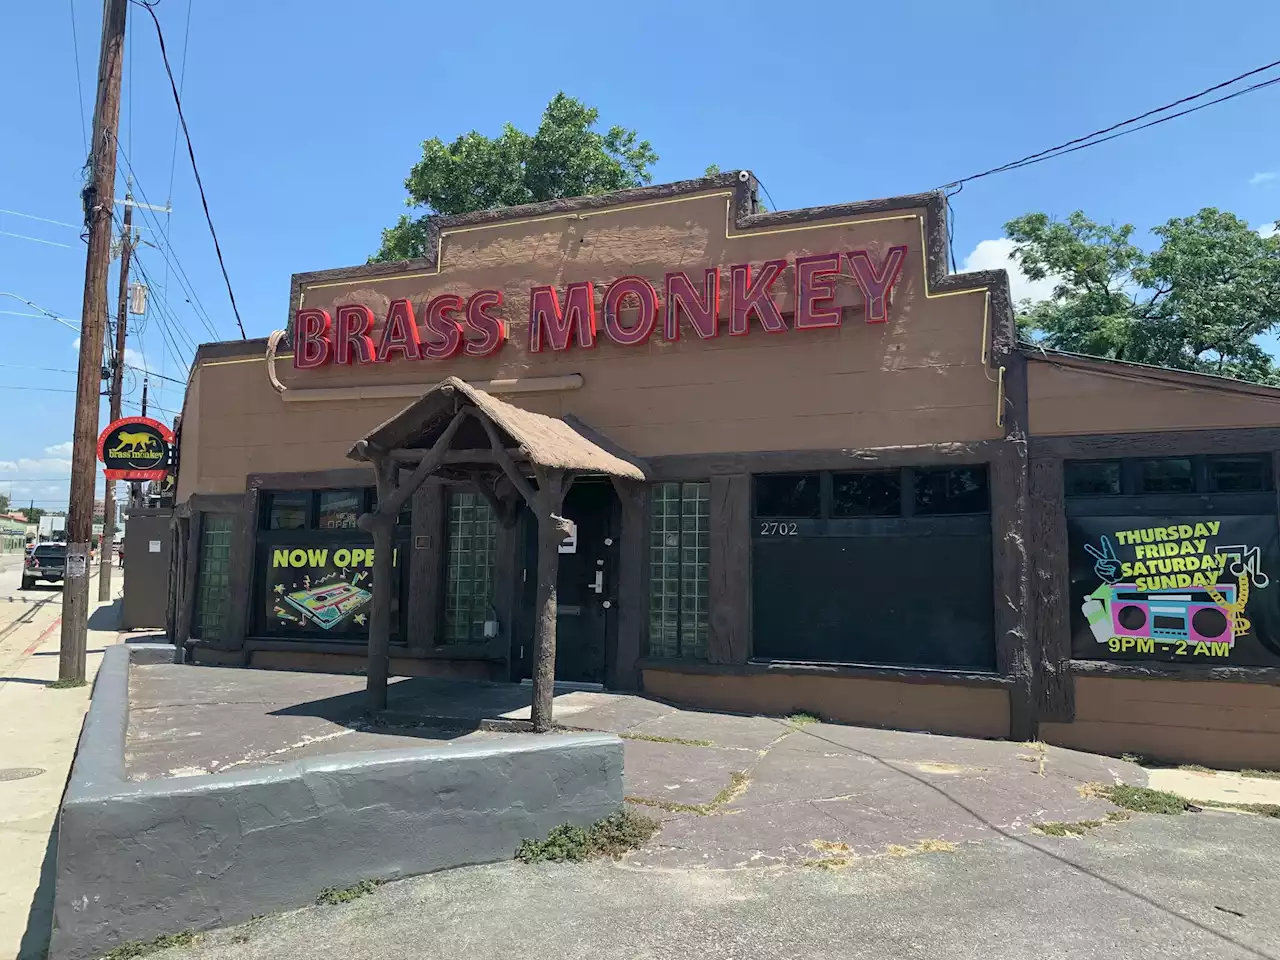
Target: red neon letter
(703,311)
(400,332)
(578,321)
(444,334)
(749,298)
(311,346)
(493,330)
(646,298)
(877,285)
(813,295)
(352,342)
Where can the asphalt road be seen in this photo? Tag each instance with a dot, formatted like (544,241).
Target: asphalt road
(1192,886)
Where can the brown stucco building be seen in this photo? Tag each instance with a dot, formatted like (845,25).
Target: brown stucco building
(862,498)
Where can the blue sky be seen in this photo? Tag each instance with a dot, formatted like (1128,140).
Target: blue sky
(307,114)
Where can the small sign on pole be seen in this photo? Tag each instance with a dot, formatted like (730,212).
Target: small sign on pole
(138,298)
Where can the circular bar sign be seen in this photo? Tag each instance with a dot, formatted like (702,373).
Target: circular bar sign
(136,448)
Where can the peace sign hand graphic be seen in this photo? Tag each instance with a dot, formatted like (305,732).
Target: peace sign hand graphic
(1106,566)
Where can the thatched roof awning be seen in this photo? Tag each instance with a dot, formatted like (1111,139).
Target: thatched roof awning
(539,439)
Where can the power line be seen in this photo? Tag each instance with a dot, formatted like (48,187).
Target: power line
(23,236)
(14,386)
(177,99)
(32,216)
(23,366)
(151,373)
(184,280)
(1080,143)
(75,46)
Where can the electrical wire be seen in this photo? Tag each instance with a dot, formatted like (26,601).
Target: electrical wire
(173,153)
(23,366)
(75,46)
(32,216)
(184,280)
(177,99)
(1080,143)
(151,373)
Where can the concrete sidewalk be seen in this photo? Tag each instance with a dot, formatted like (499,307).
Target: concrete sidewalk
(39,729)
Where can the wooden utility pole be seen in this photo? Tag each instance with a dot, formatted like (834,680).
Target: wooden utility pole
(106,549)
(98,197)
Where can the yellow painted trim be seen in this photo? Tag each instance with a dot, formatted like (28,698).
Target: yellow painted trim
(261,359)
(729,234)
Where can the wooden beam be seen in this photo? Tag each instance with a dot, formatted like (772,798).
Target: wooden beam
(382,526)
(508,464)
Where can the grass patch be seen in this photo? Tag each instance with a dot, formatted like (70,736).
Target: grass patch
(802,719)
(1195,768)
(736,787)
(1137,758)
(1057,828)
(611,837)
(72,684)
(1261,774)
(1261,809)
(332,896)
(1141,799)
(921,846)
(142,948)
(829,863)
(654,739)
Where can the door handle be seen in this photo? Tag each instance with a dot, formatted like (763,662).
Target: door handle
(598,583)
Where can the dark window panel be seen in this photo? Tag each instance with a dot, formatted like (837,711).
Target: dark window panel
(1168,475)
(339,509)
(958,490)
(1250,474)
(791,495)
(877,494)
(1098,478)
(287,511)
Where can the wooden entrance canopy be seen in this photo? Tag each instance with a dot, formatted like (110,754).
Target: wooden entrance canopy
(506,454)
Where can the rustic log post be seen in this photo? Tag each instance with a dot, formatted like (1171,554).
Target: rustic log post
(382,527)
(381,523)
(552,530)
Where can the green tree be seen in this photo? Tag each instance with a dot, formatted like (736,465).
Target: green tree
(566,157)
(4,503)
(1196,303)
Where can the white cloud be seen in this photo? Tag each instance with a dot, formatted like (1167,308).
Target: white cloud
(1268,230)
(46,467)
(60,449)
(1263,177)
(994,255)
(75,344)
(134,358)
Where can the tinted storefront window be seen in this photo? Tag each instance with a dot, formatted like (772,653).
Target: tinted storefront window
(315,567)
(877,567)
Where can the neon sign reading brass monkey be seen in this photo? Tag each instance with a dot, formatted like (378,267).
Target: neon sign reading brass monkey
(474,327)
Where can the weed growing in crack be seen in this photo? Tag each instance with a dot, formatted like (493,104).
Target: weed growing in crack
(802,719)
(736,787)
(611,837)
(72,684)
(1261,774)
(1261,809)
(1139,799)
(142,948)
(331,896)
(655,739)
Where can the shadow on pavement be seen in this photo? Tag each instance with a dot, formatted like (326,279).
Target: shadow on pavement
(106,617)
(35,939)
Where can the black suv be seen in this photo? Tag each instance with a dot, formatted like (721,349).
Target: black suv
(48,561)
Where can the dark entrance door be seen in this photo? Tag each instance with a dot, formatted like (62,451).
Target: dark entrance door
(585,589)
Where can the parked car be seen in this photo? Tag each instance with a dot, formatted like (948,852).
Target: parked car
(48,561)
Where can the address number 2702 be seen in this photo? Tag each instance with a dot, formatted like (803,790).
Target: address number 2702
(774,528)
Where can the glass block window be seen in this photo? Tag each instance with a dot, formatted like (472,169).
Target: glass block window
(679,555)
(213,581)
(473,531)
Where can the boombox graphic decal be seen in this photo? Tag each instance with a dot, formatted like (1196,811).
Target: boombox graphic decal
(1176,590)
